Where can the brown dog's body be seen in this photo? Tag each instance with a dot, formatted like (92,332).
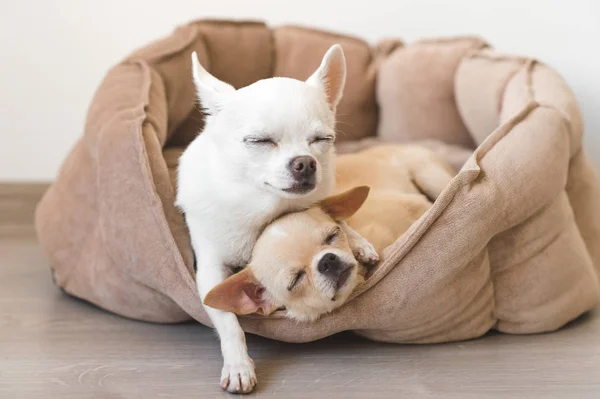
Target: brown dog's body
(303,262)
(402,179)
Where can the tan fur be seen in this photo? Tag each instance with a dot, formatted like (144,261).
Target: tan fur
(401,181)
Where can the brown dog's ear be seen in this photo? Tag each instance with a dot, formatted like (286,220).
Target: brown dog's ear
(342,206)
(241,294)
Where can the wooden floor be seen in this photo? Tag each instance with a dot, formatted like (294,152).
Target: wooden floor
(53,346)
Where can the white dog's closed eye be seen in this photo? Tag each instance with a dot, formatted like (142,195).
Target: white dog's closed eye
(260,140)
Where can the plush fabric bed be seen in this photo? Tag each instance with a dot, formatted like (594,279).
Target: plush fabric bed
(512,244)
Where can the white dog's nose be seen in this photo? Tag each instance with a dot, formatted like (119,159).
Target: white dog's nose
(303,168)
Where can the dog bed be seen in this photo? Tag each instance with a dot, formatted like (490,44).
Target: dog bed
(512,244)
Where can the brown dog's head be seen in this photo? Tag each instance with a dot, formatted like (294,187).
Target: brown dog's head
(301,261)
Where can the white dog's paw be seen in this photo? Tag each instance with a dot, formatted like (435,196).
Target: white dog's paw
(239,378)
(364,251)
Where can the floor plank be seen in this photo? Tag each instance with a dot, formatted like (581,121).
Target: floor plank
(53,346)
(17,205)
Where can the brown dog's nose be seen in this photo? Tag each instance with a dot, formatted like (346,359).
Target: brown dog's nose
(330,265)
(303,167)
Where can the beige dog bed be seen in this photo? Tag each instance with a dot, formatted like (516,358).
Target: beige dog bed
(512,244)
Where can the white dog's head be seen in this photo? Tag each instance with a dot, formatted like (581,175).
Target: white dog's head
(276,134)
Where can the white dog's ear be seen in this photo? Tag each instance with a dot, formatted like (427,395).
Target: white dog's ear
(331,75)
(342,206)
(241,294)
(210,91)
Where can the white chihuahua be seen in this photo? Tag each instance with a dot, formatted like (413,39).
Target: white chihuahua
(266,149)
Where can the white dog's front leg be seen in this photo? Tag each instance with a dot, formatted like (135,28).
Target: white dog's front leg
(362,249)
(238,374)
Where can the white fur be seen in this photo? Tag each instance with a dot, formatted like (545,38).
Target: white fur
(229,188)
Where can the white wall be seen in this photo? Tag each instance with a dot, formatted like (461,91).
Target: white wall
(55,52)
